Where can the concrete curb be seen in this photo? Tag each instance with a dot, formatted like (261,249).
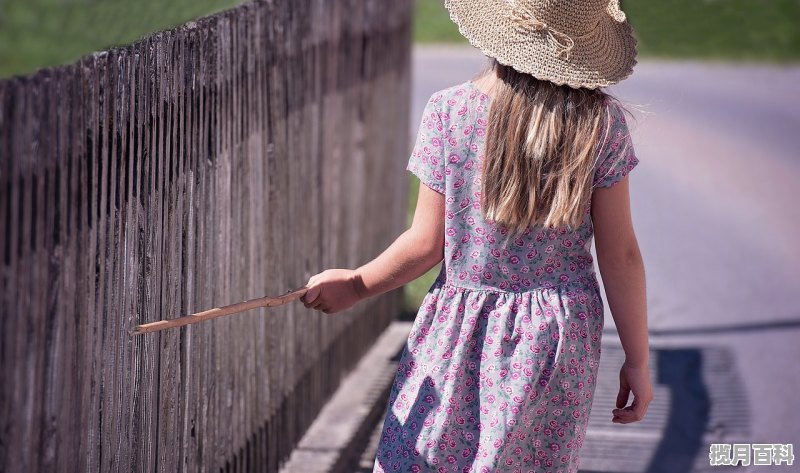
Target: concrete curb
(332,443)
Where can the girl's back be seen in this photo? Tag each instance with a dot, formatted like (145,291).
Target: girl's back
(448,158)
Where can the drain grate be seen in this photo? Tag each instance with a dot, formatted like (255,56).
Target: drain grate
(699,399)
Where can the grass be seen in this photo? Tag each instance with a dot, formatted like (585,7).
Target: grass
(43,33)
(753,30)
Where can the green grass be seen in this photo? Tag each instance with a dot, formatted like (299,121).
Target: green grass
(756,30)
(42,33)
(432,23)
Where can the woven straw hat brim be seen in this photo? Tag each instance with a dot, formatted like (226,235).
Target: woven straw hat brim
(602,57)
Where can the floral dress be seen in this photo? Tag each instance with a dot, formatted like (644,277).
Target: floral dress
(498,372)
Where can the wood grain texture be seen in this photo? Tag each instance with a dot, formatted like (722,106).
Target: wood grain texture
(224,160)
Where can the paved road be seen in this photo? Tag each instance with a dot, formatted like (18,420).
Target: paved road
(716,204)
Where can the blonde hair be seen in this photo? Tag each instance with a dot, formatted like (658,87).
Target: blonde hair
(541,142)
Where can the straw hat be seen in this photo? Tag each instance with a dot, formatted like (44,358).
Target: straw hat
(585,43)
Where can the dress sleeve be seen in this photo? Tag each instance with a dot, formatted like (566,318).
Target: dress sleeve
(427,159)
(617,157)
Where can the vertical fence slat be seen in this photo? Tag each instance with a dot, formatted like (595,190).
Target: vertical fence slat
(35,216)
(14,275)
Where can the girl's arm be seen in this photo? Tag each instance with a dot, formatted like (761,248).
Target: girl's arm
(414,252)
(622,270)
(411,255)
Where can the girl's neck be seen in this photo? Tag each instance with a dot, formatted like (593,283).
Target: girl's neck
(486,82)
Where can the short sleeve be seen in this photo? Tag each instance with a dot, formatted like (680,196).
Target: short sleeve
(427,159)
(617,157)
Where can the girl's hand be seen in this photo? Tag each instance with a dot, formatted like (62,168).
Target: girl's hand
(635,379)
(331,291)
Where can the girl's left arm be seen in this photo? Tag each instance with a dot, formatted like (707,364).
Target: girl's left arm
(411,255)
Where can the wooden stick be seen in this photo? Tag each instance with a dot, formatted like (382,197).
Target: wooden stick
(220,311)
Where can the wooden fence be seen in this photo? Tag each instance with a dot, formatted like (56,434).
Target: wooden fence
(230,158)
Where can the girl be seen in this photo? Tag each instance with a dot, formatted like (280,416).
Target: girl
(521,168)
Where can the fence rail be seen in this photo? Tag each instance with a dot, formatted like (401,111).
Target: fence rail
(226,159)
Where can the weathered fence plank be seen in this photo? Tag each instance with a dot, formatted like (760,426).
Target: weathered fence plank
(229,158)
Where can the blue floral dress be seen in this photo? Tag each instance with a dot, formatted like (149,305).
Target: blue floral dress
(498,373)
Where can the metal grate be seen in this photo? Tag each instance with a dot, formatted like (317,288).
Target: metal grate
(698,399)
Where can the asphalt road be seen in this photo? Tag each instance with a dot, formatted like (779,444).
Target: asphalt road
(716,207)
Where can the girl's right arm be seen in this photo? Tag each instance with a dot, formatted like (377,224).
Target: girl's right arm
(622,270)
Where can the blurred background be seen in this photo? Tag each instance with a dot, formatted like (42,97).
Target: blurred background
(754,30)
(716,119)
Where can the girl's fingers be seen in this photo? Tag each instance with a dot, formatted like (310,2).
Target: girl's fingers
(311,296)
(633,413)
(312,300)
(623,416)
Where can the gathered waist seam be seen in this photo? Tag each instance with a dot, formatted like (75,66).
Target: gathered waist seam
(590,279)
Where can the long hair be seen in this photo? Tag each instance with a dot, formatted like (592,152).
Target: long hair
(541,142)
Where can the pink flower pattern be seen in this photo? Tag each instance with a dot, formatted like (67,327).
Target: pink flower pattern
(498,372)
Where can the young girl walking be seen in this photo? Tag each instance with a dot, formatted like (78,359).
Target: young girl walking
(522,167)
